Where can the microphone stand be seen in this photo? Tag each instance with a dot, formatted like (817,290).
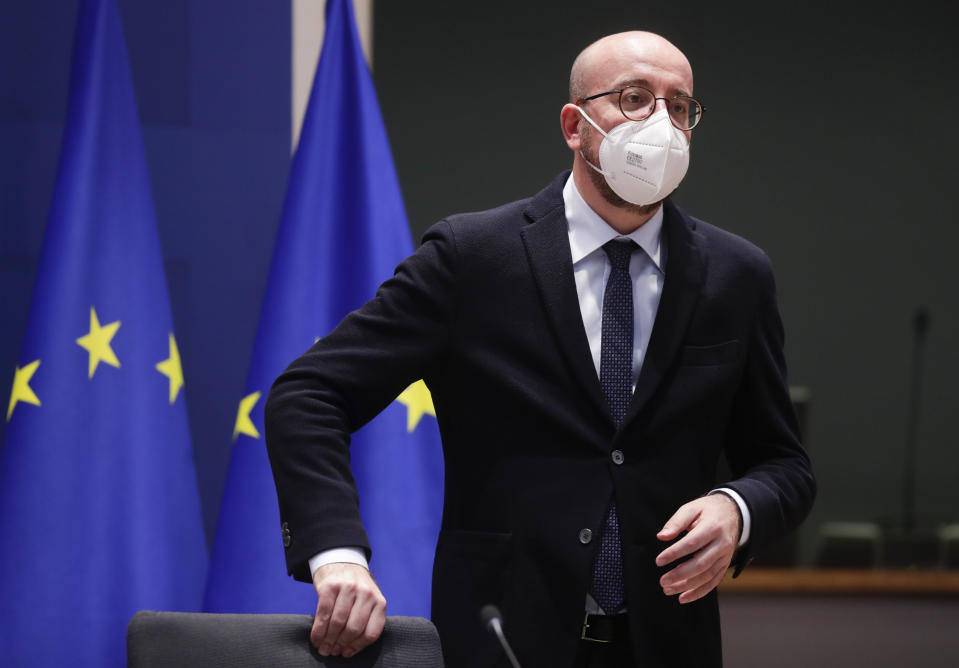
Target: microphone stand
(908,543)
(920,327)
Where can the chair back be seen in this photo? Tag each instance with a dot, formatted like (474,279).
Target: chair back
(187,639)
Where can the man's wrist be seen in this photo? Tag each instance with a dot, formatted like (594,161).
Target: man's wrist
(338,555)
(743,512)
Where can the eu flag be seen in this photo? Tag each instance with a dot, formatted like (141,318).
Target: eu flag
(343,230)
(99,510)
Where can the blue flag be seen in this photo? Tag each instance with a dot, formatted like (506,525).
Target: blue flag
(99,510)
(342,233)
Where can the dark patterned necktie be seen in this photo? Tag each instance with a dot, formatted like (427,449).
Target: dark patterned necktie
(615,376)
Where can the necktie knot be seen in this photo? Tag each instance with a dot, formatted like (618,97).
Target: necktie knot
(619,253)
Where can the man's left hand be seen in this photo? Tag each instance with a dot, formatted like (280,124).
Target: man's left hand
(712,524)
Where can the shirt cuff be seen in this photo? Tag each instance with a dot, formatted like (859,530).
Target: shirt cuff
(341,555)
(743,511)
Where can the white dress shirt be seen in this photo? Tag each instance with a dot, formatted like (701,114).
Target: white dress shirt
(587,234)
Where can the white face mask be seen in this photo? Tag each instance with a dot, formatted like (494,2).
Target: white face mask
(643,161)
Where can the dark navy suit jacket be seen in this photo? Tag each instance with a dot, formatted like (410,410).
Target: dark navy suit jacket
(486,311)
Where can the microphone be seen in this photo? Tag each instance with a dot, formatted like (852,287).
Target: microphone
(493,621)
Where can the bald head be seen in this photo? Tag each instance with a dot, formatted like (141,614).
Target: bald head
(603,60)
(614,63)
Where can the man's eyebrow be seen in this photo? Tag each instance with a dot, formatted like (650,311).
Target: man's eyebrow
(645,84)
(634,82)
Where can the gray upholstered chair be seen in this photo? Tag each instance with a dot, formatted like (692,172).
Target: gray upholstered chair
(186,639)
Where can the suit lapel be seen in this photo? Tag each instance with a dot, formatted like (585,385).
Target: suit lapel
(685,271)
(546,239)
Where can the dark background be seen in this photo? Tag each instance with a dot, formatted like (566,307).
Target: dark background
(829,140)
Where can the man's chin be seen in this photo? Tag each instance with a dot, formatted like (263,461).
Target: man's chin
(599,182)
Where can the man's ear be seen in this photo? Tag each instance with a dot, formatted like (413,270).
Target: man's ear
(569,120)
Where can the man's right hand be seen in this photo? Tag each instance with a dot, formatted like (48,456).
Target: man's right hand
(350,611)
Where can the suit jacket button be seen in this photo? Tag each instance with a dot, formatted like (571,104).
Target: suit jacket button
(585,535)
(287,537)
(618,457)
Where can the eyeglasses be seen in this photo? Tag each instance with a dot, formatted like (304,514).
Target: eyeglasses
(638,103)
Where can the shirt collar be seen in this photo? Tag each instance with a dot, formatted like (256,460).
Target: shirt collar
(588,232)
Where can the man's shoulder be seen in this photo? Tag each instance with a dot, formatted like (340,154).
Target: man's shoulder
(721,243)
(511,214)
(504,221)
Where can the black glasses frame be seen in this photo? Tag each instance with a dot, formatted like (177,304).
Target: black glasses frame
(652,107)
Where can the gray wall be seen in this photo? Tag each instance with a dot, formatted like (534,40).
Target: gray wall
(829,140)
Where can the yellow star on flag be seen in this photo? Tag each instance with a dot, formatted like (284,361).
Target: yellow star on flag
(418,400)
(172,369)
(21,387)
(97,342)
(244,425)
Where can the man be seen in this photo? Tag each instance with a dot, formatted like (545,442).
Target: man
(592,351)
